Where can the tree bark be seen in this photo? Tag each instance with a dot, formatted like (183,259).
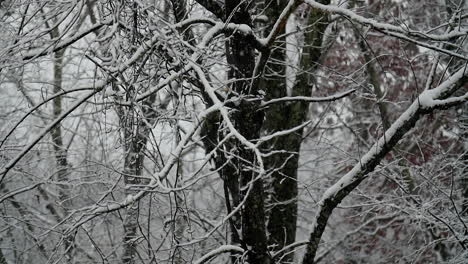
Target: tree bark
(247,120)
(136,132)
(284,190)
(60,151)
(282,184)
(464,160)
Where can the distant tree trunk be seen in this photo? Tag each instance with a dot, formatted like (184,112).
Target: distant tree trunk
(135,136)
(365,104)
(133,167)
(136,126)
(60,150)
(180,218)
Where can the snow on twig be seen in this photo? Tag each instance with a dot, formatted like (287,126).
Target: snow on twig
(282,132)
(309,99)
(425,101)
(222,249)
(224,113)
(396,31)
(385,27)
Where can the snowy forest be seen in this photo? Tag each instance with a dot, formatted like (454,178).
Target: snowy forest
(233,131)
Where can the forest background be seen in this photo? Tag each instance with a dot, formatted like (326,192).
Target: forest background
(210,131)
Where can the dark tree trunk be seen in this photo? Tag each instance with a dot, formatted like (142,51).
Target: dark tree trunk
(284,190)
(60,151)
(464,160)
(247,120)
(282,187)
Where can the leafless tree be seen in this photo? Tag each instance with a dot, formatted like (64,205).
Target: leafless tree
(197,131)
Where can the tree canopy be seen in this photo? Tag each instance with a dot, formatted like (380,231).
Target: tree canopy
(217,131)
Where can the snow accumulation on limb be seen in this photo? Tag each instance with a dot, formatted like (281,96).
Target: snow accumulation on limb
(224,113)
(93,211)
(194,20)
(427,101)
(99,86)
(222,249)
(450,101)
(433,47)
(308,99)
(282,133)
(385,27)
(209,36)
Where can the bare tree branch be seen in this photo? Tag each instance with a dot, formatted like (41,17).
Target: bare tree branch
(336,193)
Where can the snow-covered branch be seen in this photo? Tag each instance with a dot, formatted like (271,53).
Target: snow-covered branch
(194,20)
(308,99)
(222,249)
(282,133)
(414,36)
(385,27)
(424,104)
(212,33)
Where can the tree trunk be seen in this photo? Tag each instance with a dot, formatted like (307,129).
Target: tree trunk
(464,160)
(136,132)
(61,153)
(282,186)
(247,120)
(284,190)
